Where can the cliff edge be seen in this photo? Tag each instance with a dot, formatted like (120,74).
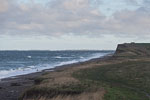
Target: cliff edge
(133,50)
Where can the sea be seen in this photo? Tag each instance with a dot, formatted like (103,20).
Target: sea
(13,63)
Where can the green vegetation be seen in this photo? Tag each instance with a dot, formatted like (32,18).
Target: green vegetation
(133,50)
(125,76)
(129,80)
(141,44)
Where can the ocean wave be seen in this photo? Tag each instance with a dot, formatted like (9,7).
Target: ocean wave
(37,68)
(15,72)
(82,59)
(22,71)
(59,57)
(29,56)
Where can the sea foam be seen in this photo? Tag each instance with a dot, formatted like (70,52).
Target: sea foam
(46,62)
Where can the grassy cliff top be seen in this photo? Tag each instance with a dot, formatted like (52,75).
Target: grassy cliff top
(105,79)
(133,50)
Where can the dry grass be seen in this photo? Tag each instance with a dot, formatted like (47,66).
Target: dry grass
(98,95)
(63,77)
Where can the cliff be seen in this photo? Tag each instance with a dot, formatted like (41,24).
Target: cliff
(133,50)
(99,79)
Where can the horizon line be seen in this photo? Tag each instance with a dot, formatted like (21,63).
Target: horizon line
(62,50)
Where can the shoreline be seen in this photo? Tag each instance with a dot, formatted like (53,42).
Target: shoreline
(17,72)
(12,87)
(111,76)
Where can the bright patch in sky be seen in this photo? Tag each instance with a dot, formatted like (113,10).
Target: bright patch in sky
(108,7)
(43,2)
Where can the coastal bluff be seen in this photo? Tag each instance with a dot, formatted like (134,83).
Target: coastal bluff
(133,50)
(107,78)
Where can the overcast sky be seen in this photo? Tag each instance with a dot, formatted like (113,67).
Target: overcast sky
(72,24)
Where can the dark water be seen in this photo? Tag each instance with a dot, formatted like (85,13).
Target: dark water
(22,62)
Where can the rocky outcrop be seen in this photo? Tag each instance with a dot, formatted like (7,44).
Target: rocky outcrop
(133,50)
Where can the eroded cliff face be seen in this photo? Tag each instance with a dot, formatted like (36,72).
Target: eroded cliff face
(133,50)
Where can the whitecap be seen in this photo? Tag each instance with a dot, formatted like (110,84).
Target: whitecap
(31,69)
(29,56)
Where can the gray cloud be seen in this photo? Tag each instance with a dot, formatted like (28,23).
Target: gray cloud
(3,6)
(63,17)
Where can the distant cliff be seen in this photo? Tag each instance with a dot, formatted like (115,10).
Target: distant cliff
(133,50)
